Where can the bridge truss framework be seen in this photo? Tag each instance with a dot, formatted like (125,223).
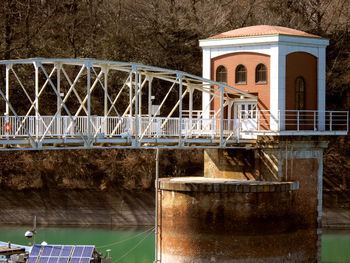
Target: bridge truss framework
(101,104)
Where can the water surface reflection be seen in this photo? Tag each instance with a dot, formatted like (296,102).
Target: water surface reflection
(335,244)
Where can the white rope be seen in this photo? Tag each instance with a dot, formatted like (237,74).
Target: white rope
(127,239)
(127,253)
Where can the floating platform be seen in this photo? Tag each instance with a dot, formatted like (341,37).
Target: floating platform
(7,251)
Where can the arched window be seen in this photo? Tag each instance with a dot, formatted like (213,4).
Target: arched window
(241,74)
(300,93)
(221,74)
(261,73)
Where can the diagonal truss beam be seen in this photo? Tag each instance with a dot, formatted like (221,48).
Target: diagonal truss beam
(22,86)
(119,93)
(72,85)
(159,107)
(62,104)
(64,99)
(33,103)
(128,108)
(108,97)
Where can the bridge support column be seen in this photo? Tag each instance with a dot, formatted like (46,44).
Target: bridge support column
(258,205)
(298,159)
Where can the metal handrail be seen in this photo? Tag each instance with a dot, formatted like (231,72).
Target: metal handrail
(252,121)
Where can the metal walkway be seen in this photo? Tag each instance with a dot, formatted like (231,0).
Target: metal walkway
(86,103)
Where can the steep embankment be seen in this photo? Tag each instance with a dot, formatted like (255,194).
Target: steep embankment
(109,187)
(78,207)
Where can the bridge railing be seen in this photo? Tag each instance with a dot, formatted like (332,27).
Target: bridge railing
(64,126)
(156,127)
(299,120)
(10,125)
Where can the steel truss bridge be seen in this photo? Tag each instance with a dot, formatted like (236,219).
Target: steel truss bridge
(87,103)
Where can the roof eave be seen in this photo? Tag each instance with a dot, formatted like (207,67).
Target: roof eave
(261,39)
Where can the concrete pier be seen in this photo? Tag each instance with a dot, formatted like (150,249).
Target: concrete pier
(257,205)
(298,158)
(225,220)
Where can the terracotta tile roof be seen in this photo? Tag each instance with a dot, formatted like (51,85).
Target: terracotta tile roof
(262,30)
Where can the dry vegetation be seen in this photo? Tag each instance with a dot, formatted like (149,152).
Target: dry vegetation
(93,169)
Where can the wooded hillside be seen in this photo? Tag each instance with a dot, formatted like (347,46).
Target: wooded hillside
(165,33)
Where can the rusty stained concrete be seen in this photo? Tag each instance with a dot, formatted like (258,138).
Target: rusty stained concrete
(230,227)
(211,226)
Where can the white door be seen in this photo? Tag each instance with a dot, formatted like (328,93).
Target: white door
(246,113)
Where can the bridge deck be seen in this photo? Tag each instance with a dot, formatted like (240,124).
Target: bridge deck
(48,132)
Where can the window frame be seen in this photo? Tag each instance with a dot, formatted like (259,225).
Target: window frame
(261,71)
(240,73)
(221,73)
(300,93)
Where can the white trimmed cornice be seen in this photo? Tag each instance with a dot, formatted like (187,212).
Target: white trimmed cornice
(264,40)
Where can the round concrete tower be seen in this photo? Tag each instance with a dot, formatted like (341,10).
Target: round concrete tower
(223,220)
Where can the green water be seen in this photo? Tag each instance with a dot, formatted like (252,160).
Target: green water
(336,246)
(137,246)
(127,246)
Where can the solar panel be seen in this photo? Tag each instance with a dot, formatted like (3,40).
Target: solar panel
(63,260)
(32,259)
(46,251)
(35,250)
(43,259)
(78,251)
(85,260)
(88,251)
(60,254)
(56,251)
(75,260)
(53,260)
(66,251)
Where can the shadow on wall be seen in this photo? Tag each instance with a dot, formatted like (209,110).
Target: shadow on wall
(240,165)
